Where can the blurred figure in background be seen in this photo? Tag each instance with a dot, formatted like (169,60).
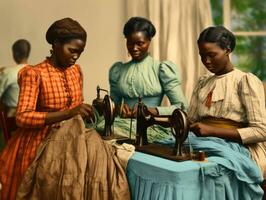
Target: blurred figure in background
(9,89)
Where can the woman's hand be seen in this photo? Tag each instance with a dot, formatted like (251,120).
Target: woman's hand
(204,130)
(153,111)
(201,130)
(125,111)
(85,110)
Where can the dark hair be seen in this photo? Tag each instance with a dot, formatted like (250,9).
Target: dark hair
(21,50)
(64,30)
(139,24)
(220,35)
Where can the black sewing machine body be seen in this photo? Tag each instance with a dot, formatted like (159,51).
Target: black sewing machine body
(105,107)
(177,122)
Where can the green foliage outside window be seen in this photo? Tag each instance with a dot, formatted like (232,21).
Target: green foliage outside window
(247,15)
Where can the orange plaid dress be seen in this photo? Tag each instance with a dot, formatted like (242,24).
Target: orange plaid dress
(43,88)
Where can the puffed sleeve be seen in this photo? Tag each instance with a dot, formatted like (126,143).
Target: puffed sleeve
(27,116)
(171,84)
(252,96)
(114,75)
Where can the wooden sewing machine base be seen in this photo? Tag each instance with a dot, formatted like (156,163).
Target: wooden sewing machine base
(125,140)
(156,150)
(162,151)
(152,149)
(113,137)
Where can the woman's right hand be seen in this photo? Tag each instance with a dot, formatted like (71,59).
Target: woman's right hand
(201,130)
(85,110)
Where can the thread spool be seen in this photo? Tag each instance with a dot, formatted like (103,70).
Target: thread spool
(201,155)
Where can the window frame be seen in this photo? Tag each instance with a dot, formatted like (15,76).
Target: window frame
(227,22)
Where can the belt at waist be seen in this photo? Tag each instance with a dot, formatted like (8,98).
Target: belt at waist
(222,123)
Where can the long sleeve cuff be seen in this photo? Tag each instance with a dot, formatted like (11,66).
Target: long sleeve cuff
(31,119)
(251,135)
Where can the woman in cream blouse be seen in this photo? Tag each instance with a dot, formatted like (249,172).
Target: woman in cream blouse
(228,104)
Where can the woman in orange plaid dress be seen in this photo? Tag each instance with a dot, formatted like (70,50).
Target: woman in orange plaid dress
(50,92)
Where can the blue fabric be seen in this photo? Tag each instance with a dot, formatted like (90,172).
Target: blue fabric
(229,174)
(229,154)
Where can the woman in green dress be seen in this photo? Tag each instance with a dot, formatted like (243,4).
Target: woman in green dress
(143,76)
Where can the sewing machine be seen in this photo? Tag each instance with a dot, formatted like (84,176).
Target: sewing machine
(179,125)
(105,107)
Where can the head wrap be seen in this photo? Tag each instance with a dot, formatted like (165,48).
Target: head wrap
(64,30)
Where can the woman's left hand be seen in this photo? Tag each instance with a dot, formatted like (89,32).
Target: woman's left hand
(132,113)
(201,130)
(153,111)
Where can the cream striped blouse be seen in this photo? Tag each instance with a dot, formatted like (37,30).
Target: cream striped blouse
(238,96)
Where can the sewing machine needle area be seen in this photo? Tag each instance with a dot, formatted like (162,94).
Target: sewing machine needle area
(177,123)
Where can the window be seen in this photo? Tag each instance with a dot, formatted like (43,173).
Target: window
(246,19)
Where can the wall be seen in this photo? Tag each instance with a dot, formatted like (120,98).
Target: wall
(103,20)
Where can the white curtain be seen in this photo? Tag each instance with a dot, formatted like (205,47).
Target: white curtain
(178,24)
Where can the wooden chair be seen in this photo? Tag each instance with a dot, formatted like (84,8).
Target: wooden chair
(7,124)
(263,186)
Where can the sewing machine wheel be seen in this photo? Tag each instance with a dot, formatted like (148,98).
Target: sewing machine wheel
(109,108)
(179,119)
(180,128)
